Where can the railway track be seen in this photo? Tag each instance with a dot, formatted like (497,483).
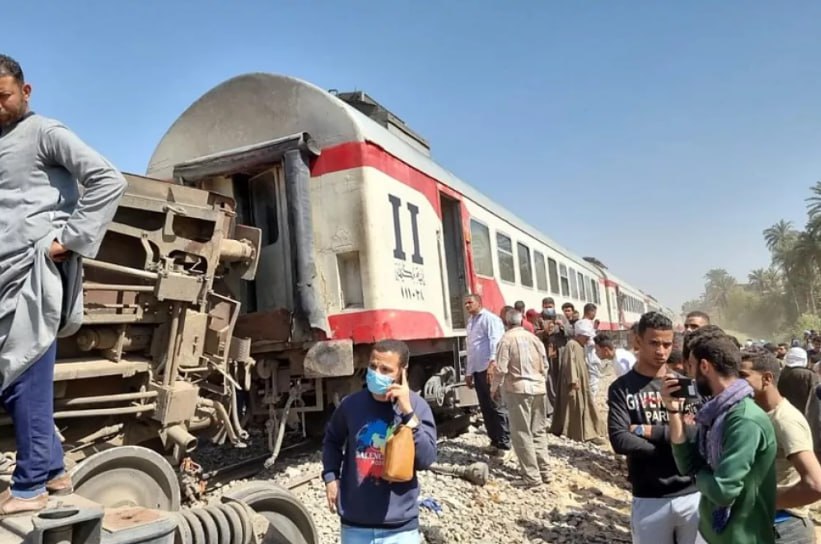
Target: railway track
(248,468)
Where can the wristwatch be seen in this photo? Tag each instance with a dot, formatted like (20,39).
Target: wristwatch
(410,420)
(639,430)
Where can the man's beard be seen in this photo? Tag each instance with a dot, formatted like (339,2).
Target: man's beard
(703,385)
(9,117)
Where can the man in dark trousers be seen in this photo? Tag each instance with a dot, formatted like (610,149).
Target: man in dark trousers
(484,330)
(374,510)
(47,225)
(665,503)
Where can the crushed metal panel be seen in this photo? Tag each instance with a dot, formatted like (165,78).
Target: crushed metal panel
(329,359)
(246,159)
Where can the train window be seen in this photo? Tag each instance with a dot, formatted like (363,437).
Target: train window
(350,280)
(553,270)
(504,250)
(574,287)
(525,269)
(565,281)
(482,252)
(541,275)
(582,287)
(594,288)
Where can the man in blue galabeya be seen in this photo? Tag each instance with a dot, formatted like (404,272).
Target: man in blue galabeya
(372,509)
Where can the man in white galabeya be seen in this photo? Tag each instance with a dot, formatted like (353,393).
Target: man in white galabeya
(47,226)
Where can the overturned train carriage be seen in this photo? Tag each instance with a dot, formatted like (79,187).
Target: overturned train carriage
(356,243)
(154,358)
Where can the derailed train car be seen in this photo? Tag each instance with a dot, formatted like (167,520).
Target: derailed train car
(280,231)
(364,237)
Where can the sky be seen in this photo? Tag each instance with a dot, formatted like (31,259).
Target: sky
(659,137)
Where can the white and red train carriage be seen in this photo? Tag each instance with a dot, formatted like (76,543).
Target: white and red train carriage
(364,237)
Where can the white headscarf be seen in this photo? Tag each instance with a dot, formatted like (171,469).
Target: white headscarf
(796,357)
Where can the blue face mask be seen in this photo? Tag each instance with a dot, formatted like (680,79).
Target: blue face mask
(378,383)
(549,312)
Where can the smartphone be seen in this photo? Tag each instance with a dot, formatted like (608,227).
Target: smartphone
(687,389)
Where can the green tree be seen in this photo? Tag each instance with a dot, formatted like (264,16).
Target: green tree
(720,285)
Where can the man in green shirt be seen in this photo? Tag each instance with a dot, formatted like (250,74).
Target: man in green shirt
(733,456)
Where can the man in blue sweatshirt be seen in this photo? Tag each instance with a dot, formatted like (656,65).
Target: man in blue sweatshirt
(372,509)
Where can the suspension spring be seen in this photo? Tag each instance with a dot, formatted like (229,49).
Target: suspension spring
(228,523)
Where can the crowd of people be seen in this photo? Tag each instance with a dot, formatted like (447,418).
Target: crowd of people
(721,446)
(720,438)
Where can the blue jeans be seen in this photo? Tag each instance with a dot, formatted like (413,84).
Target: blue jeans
(29,400)
(358,535)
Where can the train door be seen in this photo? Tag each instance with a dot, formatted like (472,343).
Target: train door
(267,206)
(454,249)
(620,307)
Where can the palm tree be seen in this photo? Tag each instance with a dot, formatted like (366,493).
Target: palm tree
(756,280)
(780,239)
(772,281)
(806,261)
(718,288)
(814,208)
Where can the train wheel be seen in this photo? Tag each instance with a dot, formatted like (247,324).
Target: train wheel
(128,476)
(288,522)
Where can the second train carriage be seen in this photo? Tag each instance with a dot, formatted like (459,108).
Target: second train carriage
(364,237)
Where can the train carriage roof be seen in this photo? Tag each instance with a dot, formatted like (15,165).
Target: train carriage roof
(258,107)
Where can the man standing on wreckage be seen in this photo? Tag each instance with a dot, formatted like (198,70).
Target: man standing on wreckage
(46,225)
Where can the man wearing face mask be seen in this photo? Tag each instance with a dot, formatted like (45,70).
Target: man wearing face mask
(372,509)
(733,456)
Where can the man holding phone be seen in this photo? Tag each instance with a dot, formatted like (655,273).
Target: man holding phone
(733,457)
(665,503)
(353,452)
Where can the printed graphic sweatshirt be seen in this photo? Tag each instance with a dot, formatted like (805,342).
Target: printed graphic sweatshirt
(635,399)
(353,453)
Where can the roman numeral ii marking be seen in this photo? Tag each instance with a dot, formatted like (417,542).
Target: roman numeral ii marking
(398,252)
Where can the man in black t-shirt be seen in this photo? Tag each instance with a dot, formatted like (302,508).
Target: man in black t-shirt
(665,503)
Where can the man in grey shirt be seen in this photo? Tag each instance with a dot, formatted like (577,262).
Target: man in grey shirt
(46,224)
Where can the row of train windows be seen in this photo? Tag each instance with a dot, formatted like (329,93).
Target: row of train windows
(632,304)
(564,280)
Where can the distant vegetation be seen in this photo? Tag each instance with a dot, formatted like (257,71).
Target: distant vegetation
(781,301)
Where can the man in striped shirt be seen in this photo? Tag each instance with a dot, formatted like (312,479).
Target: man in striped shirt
(521,375)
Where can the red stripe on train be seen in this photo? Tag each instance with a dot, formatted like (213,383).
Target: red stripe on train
(359,154)
(370,326)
